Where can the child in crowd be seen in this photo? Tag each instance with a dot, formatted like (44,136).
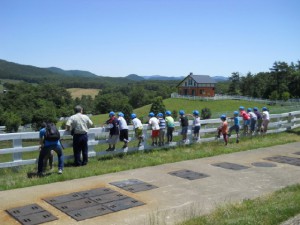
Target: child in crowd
(138,128)
(170,126)
(154,123)
(162,129)
(265,120)
(223,129)
(235,126)
(253,119)
(184,123)
(123,129)
(113,125)
(259,119)
(246,120)
(196,125)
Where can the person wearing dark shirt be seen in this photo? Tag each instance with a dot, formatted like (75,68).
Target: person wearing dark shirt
(184,123)
(113,125)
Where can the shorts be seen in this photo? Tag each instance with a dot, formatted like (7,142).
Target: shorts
(246,122)
(252,125)
(234,127)
(162,133)
(138,132)
(265,124)
(123,135)
(196,129)
(155,133)
(113,139)
(184,130)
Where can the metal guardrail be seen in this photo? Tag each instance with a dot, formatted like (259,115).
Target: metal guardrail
(279,123)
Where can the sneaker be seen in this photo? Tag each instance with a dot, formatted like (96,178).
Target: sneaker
(60,171)
(237,141)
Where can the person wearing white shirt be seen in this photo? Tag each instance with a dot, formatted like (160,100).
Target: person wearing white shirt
(266,120)
(154,123)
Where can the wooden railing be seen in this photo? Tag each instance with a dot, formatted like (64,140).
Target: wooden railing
(18,141)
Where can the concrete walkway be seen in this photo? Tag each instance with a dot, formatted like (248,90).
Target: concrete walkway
(176,198)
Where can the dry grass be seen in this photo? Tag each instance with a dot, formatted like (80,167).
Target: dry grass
(78,92)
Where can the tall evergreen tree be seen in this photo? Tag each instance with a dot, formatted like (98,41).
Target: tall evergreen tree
(158,106)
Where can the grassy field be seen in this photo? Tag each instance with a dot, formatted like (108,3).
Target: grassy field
(267,210)
(78,92)
(217,108)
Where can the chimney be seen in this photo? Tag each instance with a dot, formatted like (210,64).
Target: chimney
(191,73)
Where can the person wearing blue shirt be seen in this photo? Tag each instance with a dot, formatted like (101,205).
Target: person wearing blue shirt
(235,126)
(46,146)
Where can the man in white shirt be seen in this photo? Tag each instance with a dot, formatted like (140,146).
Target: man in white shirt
(79,125)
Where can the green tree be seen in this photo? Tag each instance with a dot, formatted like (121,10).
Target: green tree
(274,95)
(234,86)
(158,106)
(174,114)
(12,122)
(205,113)
(285,96)
(127,110)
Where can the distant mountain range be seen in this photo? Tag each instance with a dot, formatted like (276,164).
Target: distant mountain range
(136,77)
(10,70)
(80,73)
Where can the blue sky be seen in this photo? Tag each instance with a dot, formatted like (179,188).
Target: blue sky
(149,37)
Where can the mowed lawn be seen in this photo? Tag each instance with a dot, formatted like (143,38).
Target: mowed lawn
(78,92)
(217,108)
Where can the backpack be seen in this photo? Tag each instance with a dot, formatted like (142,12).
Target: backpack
(52,134)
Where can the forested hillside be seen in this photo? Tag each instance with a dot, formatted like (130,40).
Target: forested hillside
(43,96)
(282,82)
(67,79)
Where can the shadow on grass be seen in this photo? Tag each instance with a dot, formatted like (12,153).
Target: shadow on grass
(297,132)
(35,174)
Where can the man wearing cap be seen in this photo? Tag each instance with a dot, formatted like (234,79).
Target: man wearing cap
(79,125)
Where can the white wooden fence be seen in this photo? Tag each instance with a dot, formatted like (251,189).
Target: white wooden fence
(238,97)
(279,123)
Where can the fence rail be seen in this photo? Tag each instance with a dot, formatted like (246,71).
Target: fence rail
(238,97)
(279,123)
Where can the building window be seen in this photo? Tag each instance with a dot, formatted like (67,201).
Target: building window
(190,82)
(185,83)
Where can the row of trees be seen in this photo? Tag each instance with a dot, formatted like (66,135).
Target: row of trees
(281,82)
(25,103)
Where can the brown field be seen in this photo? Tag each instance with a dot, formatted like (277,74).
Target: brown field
(78,92)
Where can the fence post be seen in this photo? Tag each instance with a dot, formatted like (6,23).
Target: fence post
(17,156)
(91,137)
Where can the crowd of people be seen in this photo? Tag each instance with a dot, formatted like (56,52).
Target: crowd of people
(162,126)
(254,122)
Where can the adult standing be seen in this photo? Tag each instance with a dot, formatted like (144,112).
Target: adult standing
(79,125)
(50,140)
